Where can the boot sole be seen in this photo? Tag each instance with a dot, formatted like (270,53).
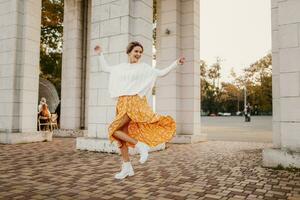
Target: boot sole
(130,174)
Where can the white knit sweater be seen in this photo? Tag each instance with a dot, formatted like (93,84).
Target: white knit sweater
(132,79)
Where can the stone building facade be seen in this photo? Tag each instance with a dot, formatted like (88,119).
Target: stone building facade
(114,23)
(286,84)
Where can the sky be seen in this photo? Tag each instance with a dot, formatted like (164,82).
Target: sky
(237,31)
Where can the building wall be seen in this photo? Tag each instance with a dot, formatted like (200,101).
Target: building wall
(286,85)
(19,64)
(286,73)
(113,25)
(178,94)
(72,65)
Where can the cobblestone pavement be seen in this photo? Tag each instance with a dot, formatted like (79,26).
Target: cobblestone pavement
(210,170)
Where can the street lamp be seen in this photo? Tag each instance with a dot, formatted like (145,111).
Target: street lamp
(245,96)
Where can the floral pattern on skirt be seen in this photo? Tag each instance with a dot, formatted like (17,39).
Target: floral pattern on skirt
(145,125)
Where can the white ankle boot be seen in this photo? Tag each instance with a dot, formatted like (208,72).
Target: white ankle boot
(127,170)
(143,149)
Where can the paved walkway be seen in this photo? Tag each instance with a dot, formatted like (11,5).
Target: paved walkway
(235,128)
(211,170)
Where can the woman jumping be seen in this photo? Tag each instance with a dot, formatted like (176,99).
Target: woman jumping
(135,124)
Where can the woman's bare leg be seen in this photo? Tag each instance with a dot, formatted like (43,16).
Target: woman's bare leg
(124,147)
(121,135)
(124,137)
(127,169)
(124,153)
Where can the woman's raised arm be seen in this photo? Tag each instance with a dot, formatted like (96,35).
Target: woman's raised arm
(167,70)
(103,64)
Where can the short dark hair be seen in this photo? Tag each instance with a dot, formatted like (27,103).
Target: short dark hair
(133,44)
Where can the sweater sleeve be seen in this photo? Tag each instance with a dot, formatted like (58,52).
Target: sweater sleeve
(103,64)
(167,70)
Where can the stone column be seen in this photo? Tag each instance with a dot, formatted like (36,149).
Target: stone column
(20,23)
(286,85)
(113,25)
(73,66)
(178,94)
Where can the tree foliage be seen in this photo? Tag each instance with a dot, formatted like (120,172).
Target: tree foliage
(214,72)
(259,77)
(51,41)
(256,79)
(210,92)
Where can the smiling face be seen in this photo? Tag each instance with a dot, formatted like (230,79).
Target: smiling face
(135,54)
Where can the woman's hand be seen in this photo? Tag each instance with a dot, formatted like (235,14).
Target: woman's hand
(181,60)
(98,50)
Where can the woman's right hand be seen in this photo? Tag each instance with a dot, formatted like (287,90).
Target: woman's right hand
(97,49)
(181,60)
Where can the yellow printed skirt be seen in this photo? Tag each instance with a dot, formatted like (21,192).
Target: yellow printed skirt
(145,125)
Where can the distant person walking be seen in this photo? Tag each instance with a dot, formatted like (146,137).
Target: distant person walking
(135,124)
(247,111)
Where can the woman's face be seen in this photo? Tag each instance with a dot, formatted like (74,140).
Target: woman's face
(135,54)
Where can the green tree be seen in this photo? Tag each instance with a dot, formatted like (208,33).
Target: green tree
(260,74)
(51,41)
(214,72)
(209,92)
(203,77)
(228,97)
(239,84)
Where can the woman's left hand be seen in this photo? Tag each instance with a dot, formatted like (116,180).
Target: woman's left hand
(181,60)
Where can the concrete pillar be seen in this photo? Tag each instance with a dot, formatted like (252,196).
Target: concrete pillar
(20,23)
(178,94)
(113,25)
(275,78)
(73,66)
(286,85)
